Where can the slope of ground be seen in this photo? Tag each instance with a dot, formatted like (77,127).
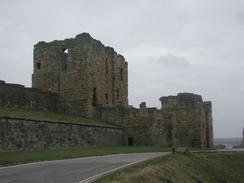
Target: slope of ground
(53,117)
(202,167)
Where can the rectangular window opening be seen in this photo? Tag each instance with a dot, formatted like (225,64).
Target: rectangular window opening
(38,65)
(121,74)
(94,97)
(106,66)
(106,98)
(117,94)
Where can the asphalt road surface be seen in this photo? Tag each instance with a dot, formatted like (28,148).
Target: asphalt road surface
(71,170)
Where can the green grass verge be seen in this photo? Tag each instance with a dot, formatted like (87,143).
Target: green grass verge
(196,168)
(11,158)
(53,117)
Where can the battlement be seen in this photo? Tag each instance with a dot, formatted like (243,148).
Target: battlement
(188,100)
(182,96)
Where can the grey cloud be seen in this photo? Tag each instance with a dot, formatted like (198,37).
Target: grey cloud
(174,61)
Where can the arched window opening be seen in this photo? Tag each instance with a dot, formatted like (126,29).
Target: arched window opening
(65,58)
(66,51)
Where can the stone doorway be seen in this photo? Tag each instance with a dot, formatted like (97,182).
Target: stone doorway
(130,141)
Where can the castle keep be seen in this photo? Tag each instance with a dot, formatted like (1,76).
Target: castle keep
(83,72)
(81,76)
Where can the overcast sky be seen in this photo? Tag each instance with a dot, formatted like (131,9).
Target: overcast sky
(171,46)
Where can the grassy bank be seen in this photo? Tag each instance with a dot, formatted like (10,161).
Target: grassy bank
(48,116)
(11,158)
(197,168)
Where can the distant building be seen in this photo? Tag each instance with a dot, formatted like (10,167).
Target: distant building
(243,137)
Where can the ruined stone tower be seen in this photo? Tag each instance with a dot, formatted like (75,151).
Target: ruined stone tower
(83,72)
(188,120)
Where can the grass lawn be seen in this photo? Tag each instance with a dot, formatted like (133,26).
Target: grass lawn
(175,168)
(11,158)
(47,116)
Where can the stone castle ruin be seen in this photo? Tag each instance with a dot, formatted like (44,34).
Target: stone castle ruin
(81,76)
(83,72)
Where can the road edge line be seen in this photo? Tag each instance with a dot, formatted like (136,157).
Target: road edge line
(94,177)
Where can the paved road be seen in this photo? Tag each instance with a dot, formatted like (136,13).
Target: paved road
(69,171)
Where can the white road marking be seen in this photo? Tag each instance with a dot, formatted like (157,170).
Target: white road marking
(92,178)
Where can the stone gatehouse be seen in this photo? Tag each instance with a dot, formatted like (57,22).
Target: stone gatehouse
(83,77)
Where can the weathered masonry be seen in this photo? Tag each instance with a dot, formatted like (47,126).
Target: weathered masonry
(19,97)
(83,72)
(83,77)
(183,120)
(22,134)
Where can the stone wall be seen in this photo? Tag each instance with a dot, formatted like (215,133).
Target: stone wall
(21,134)
(20,97)
(142,125)
(183,120)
